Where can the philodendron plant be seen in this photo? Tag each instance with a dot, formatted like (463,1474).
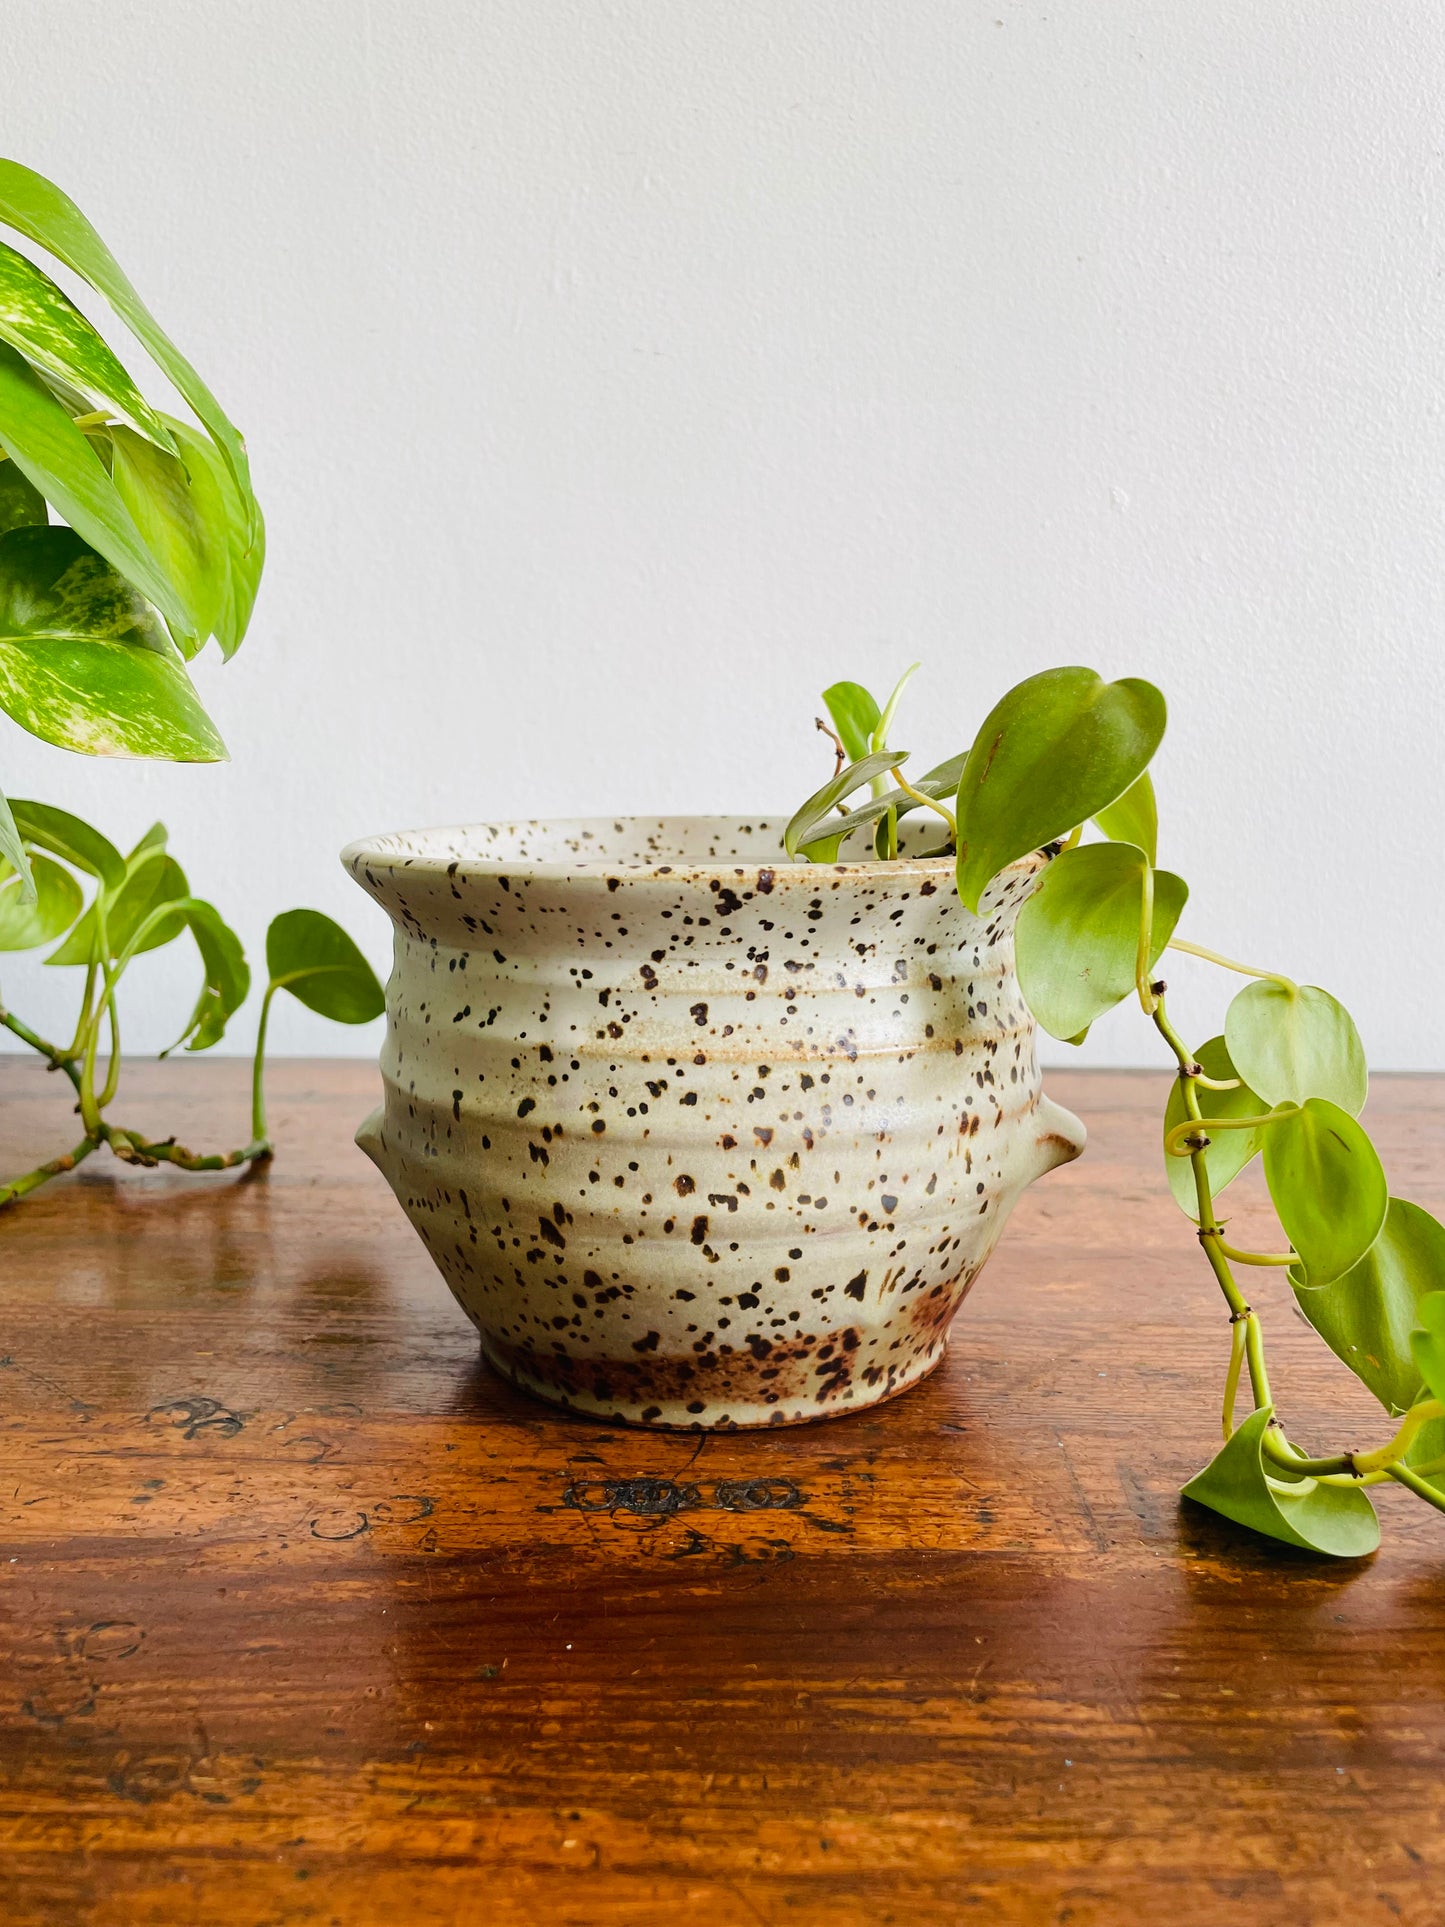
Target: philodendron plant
(138,903)
(163,541)
(1065,752)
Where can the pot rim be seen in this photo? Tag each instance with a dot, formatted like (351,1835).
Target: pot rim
(372,853)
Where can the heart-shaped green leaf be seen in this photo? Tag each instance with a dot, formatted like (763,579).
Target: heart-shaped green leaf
(73,841)
(1134,818)
(83,661)
(38,209)
(855,717)
(1367,1315)
(1229,1151)
(813,814)
(43,441)
(227,974)
(1427,1343)
(1327,1187)
(22,506)
(54,907)
(1077,938)
(41,321)
(313,958)
(182,518)
(1295,1041)
(1334,1519)
(1056,750)
(152,878)
(155,880)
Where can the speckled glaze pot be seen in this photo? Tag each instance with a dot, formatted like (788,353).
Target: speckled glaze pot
(698,1136)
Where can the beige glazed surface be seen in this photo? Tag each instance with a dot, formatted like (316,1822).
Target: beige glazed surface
(698,1136)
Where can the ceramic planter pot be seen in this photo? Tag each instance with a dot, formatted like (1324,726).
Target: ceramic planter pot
(697,1136)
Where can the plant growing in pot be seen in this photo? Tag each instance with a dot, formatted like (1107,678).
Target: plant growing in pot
(714,1121)
(698,1134)
(157,549)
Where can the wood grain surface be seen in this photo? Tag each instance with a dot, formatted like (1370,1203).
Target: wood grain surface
(305,1618)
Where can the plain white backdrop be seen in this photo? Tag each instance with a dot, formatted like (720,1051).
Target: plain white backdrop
(617,373)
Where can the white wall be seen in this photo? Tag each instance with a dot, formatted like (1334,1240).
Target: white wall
(617,372)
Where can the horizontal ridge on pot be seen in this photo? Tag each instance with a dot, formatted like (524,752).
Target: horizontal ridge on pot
(698,1136)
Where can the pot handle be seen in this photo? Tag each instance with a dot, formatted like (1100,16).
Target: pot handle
(1059,1137)
(369,1137)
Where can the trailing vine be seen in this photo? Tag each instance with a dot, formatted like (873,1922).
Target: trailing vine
(137,904)
(1065,752)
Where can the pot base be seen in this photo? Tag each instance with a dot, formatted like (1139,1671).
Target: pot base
(675,1416)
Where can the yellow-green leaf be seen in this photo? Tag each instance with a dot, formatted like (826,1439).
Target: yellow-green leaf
(1077,939)
(1327,1187)
(152,878)
(44,213)
(811,820)
(313,957)
(855,717)
(1134,818)
(182,519)
(1237,1482)
(1295,1041)
(227,976)
(44,827)
(939,783)
(1056,750)
(240,534)
(53,908)
(45,325)
(1427,1343)
(84,663)
(1367,1315)
(43,441)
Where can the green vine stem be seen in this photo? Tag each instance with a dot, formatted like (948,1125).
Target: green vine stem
(112,1074)
(17,1188)
(308,955)
(1147,995)
(131,1147)
(928,802)
(1191,1138)
(1228,963)
(1064,752)
(1181,1141)
(1420,1487)
(79,1065)
(1231,1377)
(1237,1257)
(58,1060)
(258,1069)
(1210,1232)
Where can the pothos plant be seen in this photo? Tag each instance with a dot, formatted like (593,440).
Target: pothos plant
(138,903)
(156,543)
(1060,755)
(129,538)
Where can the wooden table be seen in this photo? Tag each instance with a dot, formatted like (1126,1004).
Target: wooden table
(305,1618)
